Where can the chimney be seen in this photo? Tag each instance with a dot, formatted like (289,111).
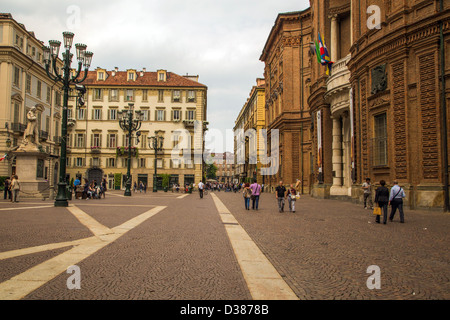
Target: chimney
(116,69)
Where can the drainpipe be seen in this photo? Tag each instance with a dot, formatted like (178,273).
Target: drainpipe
(444,129)
(302,99)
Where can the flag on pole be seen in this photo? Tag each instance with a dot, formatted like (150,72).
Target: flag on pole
(3,158)
(325,56)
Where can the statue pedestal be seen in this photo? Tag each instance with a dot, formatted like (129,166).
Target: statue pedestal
(30,164)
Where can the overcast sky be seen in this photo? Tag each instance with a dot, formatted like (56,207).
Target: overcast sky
(219,40)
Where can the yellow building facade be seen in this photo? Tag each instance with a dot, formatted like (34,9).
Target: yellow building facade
(25,84)
(251,118)
(172,106)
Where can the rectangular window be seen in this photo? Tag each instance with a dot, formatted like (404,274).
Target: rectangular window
(176,115)
(39,89)
(144,95)
(96,140)
(142,163)
(95,162)
(145,115)
(176,96)
(112,115)
(97,114)
(160,115)
(98,94)
(380,140)
(111,162)
(175,163)
(81,114)
(113,95)
(159,163)
(101,76)
(190,115)
(79,162)
(28,84)
(112,140)
(79,140)
(130,76)
(191,96)
(129,95)
(16,77)
(49,94)
(160,95)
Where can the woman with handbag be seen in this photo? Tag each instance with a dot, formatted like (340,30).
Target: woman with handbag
(247,193)
(382,200)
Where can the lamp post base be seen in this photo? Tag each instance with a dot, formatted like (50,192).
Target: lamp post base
(61,199)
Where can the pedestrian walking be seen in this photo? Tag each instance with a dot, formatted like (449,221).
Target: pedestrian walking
(396,201)
(382,199)
(367,187)
(280,193)
(247,193)
(7,191)
(201,186)
(103,188)
(15,188)
(135,187)
(256,192)
(292,197)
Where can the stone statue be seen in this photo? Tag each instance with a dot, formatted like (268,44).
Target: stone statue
(31,134)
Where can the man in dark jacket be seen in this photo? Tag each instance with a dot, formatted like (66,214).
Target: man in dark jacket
(382,198)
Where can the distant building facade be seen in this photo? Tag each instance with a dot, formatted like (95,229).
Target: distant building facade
(287,72)
(172,106)
(248,127)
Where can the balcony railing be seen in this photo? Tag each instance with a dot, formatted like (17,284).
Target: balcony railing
(43,135)
(18,127)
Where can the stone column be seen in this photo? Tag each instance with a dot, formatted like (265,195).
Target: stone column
(337,152)
(334,38)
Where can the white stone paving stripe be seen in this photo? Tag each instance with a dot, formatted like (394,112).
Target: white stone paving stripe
(22,208)
(23,284)
(263,280)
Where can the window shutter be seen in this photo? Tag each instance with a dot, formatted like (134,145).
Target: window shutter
(107,140)
(156,115)
(171,115)
(100,141)
(92,140)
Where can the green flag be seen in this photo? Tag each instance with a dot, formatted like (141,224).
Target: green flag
(319,59)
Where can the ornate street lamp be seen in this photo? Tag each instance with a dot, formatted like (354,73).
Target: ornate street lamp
(84,59)
(156,143)
(130,122)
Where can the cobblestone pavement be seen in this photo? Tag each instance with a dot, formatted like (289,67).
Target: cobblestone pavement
(183,253)
(180,253)
(324,249)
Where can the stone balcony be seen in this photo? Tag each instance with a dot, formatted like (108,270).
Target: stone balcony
(338,86)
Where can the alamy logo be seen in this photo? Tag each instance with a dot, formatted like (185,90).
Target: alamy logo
(74,281)
(374,281)
(73,22)
(374,20)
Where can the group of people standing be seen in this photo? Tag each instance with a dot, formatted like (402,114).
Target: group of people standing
(384,198)
(12,188)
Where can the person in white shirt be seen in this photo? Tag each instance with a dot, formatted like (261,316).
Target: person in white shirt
(396,201)
(201,186)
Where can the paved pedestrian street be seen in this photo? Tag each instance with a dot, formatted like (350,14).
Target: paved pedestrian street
(174,246)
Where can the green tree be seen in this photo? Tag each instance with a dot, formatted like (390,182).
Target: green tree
(211,170)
